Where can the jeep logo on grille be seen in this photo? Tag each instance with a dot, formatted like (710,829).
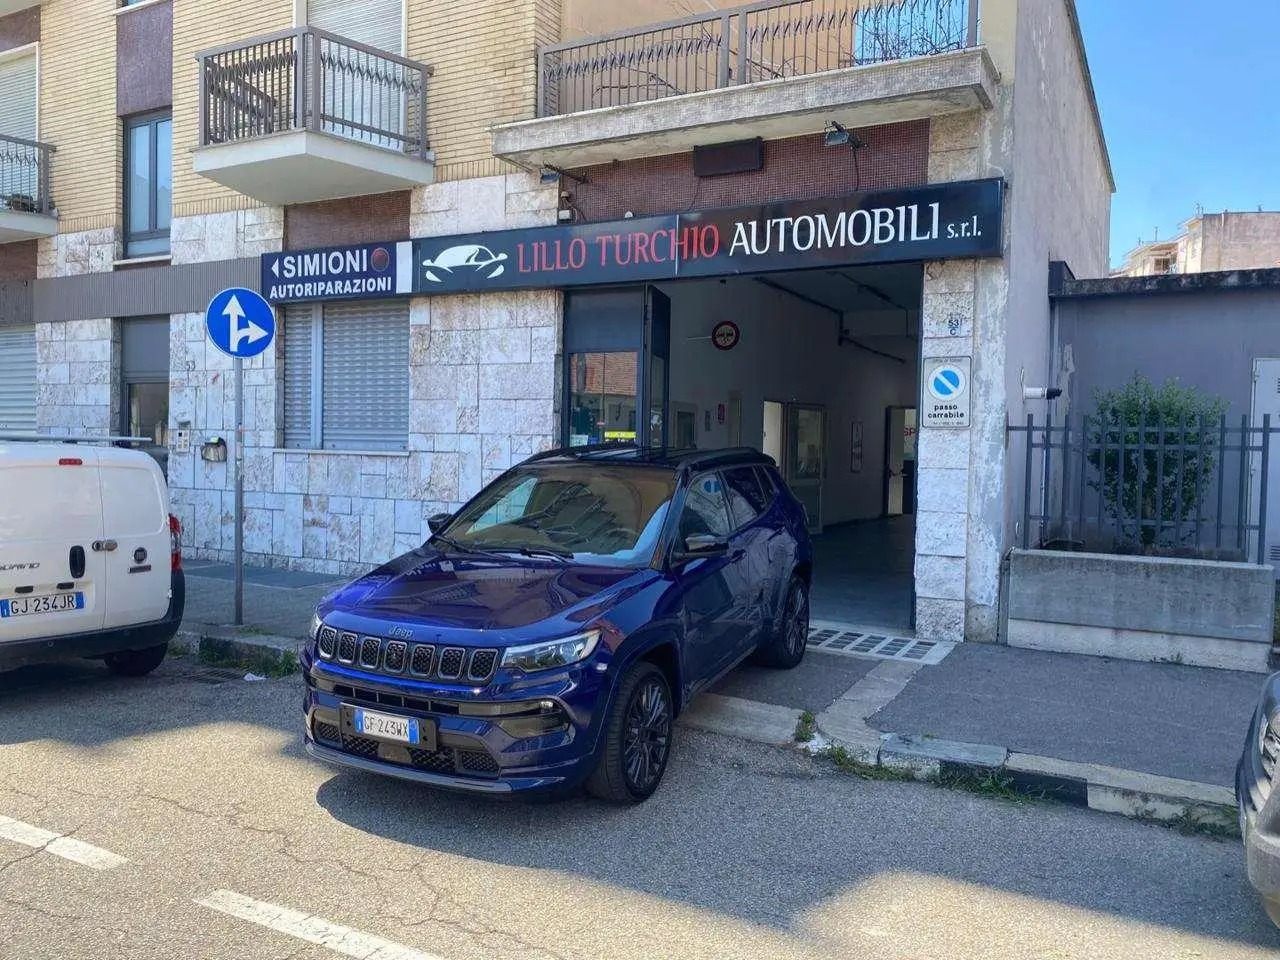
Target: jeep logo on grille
(400,633)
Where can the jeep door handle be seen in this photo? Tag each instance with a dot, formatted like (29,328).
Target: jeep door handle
(737,554)
(104,546)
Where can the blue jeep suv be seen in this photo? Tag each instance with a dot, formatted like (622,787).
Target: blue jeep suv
(548,634)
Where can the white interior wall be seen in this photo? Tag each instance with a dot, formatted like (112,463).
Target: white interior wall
(788,352)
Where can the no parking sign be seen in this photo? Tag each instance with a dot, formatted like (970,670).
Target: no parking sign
(946,392)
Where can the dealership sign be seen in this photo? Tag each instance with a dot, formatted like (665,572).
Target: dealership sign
(947,221)
(338,273)
(925,223)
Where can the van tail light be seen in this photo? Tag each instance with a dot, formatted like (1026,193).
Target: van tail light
(175,543)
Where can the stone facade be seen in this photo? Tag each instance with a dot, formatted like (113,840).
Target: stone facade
(78,373)
(482,380)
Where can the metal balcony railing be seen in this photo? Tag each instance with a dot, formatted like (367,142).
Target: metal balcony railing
(309,79)
(24,175)
(747,44)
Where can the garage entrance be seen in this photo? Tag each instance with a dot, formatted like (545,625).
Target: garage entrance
(817,368)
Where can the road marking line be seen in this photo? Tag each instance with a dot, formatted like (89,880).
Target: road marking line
(58,844)
(295,923)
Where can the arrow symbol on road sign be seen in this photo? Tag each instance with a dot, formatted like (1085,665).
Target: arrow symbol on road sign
(275,267)
(239,332)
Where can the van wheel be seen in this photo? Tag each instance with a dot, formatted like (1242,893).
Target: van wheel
(786,649)
(637,738)
(137,663)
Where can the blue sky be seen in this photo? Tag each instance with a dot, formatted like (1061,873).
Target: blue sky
(1190,100)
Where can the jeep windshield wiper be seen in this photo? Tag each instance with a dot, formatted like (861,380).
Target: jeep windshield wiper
(526,551)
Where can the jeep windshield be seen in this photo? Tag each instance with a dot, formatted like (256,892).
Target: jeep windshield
(596,514)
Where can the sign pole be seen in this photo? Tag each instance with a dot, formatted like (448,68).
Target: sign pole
(241,324)
(239,548)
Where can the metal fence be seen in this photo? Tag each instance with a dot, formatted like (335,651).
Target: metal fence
(1188,488)
(760,41)
(315,80)
(24,175)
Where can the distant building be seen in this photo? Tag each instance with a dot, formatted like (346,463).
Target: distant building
(1210,242)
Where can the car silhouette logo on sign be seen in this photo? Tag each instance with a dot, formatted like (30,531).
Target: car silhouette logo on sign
(467,257)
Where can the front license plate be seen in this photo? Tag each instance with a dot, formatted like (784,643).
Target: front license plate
(28,606)
(382,726)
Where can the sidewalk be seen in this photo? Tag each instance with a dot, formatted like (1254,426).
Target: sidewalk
(1145,739)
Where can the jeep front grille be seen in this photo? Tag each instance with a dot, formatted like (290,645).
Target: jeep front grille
(328,642)
(419,660)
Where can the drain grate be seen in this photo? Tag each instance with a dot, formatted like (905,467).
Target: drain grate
(842,638)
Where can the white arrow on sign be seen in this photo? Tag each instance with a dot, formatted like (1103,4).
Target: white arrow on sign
(239,332)
(275,267)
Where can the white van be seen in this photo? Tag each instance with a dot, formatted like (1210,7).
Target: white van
(90,557)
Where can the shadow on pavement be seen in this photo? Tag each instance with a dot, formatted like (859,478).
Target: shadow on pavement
(773,854)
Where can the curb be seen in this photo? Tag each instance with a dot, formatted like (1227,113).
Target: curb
(1130,793)
(235,643)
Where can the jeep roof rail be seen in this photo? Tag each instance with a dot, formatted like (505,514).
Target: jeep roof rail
(701,459)
(115,441)
(609,446)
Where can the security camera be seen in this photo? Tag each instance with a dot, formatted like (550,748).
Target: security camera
(1041,393)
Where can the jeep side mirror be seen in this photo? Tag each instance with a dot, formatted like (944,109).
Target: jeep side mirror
(703,545)
(438,522)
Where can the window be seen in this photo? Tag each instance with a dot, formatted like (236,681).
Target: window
(596,513)
(18,379)
(148,184)
(20,165)
(706,513)
(346,375)
(602,397)
(144,374)
(747,499)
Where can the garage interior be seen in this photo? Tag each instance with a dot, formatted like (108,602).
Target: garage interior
(824,377)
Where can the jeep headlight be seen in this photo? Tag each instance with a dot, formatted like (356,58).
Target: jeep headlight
(551,653)
(316,624)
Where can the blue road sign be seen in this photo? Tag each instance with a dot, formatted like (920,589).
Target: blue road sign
(947,382)
(240,323)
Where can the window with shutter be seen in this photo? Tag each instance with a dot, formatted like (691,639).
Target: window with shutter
(375,23)
(346,376)
(366,376)
(18,380)
(20,174)
(300,343)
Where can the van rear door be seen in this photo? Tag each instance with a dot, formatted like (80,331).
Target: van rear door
(135,517)
(51,578)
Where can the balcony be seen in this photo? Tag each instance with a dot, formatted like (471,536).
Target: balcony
(304,115)
(776,69)
(26,212)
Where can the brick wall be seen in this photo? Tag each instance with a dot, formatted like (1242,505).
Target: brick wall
(196,27)
(796,169)
(18,261)
(78,110)
(373,219)
(484,55)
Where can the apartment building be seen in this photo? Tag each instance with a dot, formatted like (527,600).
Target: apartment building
(818,227)
(1210,242)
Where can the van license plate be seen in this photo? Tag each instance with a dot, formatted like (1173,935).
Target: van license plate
(384,727)
(27,606)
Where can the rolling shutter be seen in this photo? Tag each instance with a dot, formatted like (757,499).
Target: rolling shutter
(299,344)
(18,97)
(376,23)
(18,119)
(18,380)
(366,375)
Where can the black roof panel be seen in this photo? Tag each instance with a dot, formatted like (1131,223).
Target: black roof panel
(676,459)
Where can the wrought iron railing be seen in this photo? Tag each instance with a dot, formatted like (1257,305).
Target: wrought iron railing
(747,44)
(1192,488)
(309,79)
(24,175)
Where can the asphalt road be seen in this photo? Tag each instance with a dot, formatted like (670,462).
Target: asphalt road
(199,830)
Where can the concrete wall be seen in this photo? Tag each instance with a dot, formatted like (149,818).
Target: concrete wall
(1205,339)
(1189,611)
(788,352)
(1230,241)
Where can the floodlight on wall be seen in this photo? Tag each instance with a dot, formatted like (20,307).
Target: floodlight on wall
(838,135)
(548,177)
